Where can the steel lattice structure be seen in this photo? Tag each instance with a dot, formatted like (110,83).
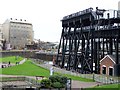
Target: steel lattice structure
(86,38)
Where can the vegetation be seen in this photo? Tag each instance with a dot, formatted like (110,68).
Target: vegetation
(78,78)
(45,83)
(58,81)
(27,68)
(12,59)
(105,87)
(30,69)
(108,86)
(54,81)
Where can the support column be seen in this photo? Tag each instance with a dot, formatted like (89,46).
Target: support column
(117,58)
(58,55)
(70,47)
(103,50)
(110,46)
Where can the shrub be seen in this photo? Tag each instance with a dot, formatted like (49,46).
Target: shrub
(63,79)
(58,81)
(45,83)
(58,78)
(55,81)
(57,85)
(54,78)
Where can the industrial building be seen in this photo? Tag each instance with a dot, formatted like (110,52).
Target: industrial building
(1,37)
(119,5)
(17,33)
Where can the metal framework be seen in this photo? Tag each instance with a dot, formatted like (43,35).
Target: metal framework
(87,36)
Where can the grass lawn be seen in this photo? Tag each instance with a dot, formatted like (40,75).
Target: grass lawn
(105,87)
(30,69)
(109,86)
(27,68)
(12,59)
(77,78)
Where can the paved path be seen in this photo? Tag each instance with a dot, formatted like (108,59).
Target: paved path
(79,84)
(21,62)
(7,65)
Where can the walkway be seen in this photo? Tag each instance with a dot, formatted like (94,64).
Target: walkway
(22,61)
(5,65)
(78,84)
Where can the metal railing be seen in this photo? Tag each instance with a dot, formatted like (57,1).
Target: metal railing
(30,81)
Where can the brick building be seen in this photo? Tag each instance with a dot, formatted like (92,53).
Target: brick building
(108,66)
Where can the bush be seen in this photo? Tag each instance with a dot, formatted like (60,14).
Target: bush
(58,81)
(55,81)
(63,79)
(57,85)
(45,83)
(56,78)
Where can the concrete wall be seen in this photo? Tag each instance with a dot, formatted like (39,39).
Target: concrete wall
(28,54)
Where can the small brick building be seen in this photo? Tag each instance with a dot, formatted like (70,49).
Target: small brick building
(107,65)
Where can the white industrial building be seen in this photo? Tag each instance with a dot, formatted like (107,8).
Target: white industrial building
(1,37)
(17,33)
(119,5)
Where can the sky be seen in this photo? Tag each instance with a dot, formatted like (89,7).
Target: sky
(45,15)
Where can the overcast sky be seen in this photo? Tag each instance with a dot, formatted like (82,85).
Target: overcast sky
(45,15)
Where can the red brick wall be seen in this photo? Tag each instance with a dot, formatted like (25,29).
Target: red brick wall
(107,62)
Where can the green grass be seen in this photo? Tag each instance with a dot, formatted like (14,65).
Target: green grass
(109,86)
(30,69)
(105,87)
(76,78)
(27,68)
(12,59)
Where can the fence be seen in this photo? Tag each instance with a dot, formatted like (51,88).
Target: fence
(30,81)
(6,79)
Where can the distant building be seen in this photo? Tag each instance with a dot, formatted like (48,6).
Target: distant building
(119,9)
(17,33)
(1,37)
(119,5)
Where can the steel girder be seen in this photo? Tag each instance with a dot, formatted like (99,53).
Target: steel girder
(82,45)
